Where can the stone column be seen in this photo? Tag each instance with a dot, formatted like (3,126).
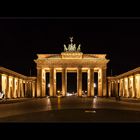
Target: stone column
(15,87)
(26,89)
(22,89)
(51,82)
(127,89)
(100,83)
(124,88)
(54,82)
(79,81)
(18,88)
(116,88)
(104,82)
(134,86)
(13,94)
(33,89)
(109,88)
(137,85)
(129,92)
(90,82)
(7,87)
(43,83)
(0,82)
(120,88)
(11,87)
(64,82)
(29,89)
(39,82)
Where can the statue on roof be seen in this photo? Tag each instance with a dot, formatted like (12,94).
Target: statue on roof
(79,48)
(72,47)
(65,48)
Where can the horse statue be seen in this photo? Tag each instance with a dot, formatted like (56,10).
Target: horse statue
(65,48)
(79,48)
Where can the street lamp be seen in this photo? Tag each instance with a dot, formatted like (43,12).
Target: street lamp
(95,85)
(48,85)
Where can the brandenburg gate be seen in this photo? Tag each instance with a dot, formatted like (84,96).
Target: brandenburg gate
(71,60)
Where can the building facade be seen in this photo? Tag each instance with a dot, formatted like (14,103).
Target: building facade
(15,85)
(125,85)
(71,60)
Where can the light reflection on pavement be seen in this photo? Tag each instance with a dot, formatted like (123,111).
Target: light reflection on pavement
(72,102)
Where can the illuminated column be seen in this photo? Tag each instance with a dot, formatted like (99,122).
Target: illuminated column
(79,81)
(10,92)
(134,86)
(18,88)
(51,82)
(33,89)
(127,87)
(29,89)
(121,87)
(109,88)
(13,87)
(54,82)
(116,88)
(39,82)
(137,85)
(25,90)
(0,82)
(131,86)
(124,89)
(104,82)
(100,82)
(64,82)
(7,87)
(22,89)
(43,83)
(90,82)
(129,92)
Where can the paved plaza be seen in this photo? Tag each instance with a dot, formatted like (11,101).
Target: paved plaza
(70,109)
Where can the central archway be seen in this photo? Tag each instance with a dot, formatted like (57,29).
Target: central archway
(71,83)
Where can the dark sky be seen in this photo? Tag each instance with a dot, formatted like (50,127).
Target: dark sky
(22,38)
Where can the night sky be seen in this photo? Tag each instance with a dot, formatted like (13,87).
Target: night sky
(22,38)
